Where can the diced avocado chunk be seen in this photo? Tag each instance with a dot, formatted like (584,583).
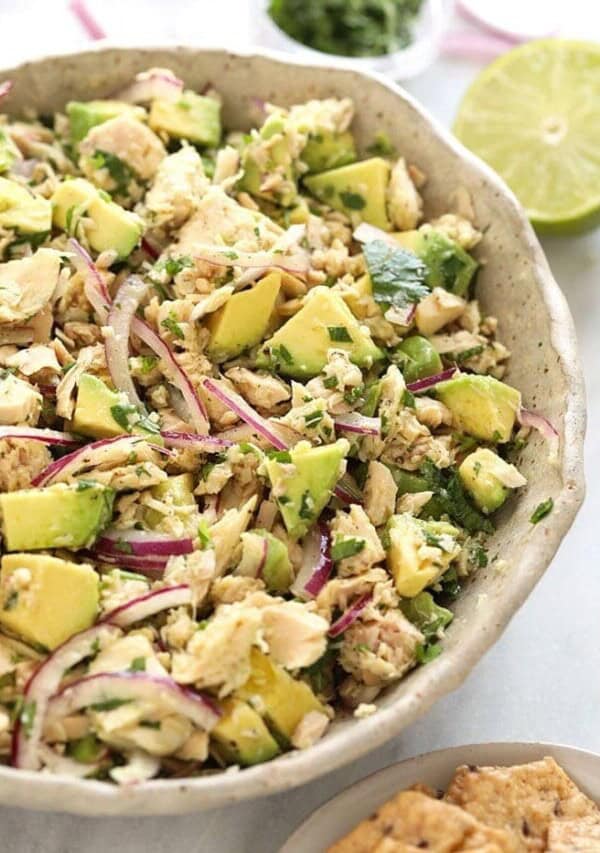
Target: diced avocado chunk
(58,516)
(23,211)
(358,189)
(84,115)
(8,151)
(303,485)
(419,552)
(175,491)
(102,413)
(259,159)
(484,475)
(429,617)
(417,358)
(266,557)
(192,117)
(78,204)
(241,737)
(299,348)
(280,699)
(244,319)
(448,265)
(328,150)
(49,599)
(481,406)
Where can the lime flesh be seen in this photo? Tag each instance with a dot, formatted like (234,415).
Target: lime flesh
(534,116)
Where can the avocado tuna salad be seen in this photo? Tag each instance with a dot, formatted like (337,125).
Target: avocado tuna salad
(253,432)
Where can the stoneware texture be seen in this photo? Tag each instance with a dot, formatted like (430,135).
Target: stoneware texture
(515,284)
(341,814)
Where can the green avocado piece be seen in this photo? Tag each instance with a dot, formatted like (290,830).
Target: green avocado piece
(8,151)
(244,319)
(358,190)
(193,117)
(299,348)
(280,699)
(84,115)
(482,474)
(481,406)
(22,210)
(412,565)
(79,204)
(274,566)
(260,159)
(429,617)
(448,265)
(102,413)
(303,485)
(60,600)
(328,150)
(176,491)
(65,516)
(417,358)
(241,737)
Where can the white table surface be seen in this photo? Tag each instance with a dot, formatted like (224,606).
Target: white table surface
(540,682)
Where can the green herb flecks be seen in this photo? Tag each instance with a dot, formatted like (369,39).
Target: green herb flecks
(353,201)
(398,276)
(344,548)
(339,334)
(452,497)
(171,325)
(542,510)
(121,173)
(27,716)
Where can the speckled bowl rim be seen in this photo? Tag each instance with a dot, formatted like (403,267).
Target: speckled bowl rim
(173,796)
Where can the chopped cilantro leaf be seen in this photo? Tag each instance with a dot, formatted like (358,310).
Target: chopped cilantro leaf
(27,716)
(121,173)
(542,510)
(398,276)
(353,201)
(138,665)
(307,506)
(339,333)
(344,548)
(171,325)
(426,652)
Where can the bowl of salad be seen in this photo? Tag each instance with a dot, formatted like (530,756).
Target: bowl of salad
(291,423)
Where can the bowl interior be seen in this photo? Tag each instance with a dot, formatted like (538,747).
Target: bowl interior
(514,284)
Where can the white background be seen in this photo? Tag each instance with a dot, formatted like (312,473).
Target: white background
(542,680)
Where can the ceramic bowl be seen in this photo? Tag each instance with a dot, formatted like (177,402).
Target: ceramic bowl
(515,284)
(341,814)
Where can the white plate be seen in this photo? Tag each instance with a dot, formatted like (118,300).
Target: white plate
(341,814)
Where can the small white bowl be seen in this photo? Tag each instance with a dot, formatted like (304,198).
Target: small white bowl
(427,30)
(341,814)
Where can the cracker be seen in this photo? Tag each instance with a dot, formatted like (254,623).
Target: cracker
(574,836)
(414,821)
(523,799)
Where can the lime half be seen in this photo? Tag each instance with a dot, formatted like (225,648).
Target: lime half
(534,116)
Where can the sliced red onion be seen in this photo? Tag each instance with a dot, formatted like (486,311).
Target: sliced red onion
(401,316)
(149,604)
(431,381)
(133,687)
(149,249)
(245,412)
(46,436)
(366,233)
(350,616)
(87,20)
(153,567)
(179,378)
(513,20)
(464,43)
(534,420)
(191,441)
(263,558)
(359,424)
(44,682)
(156,83)
(141,543)
(116,343)
(324,566)
(84,457)
(347,491)
(94,287)
(222,256)
(5,88)
(310,558)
